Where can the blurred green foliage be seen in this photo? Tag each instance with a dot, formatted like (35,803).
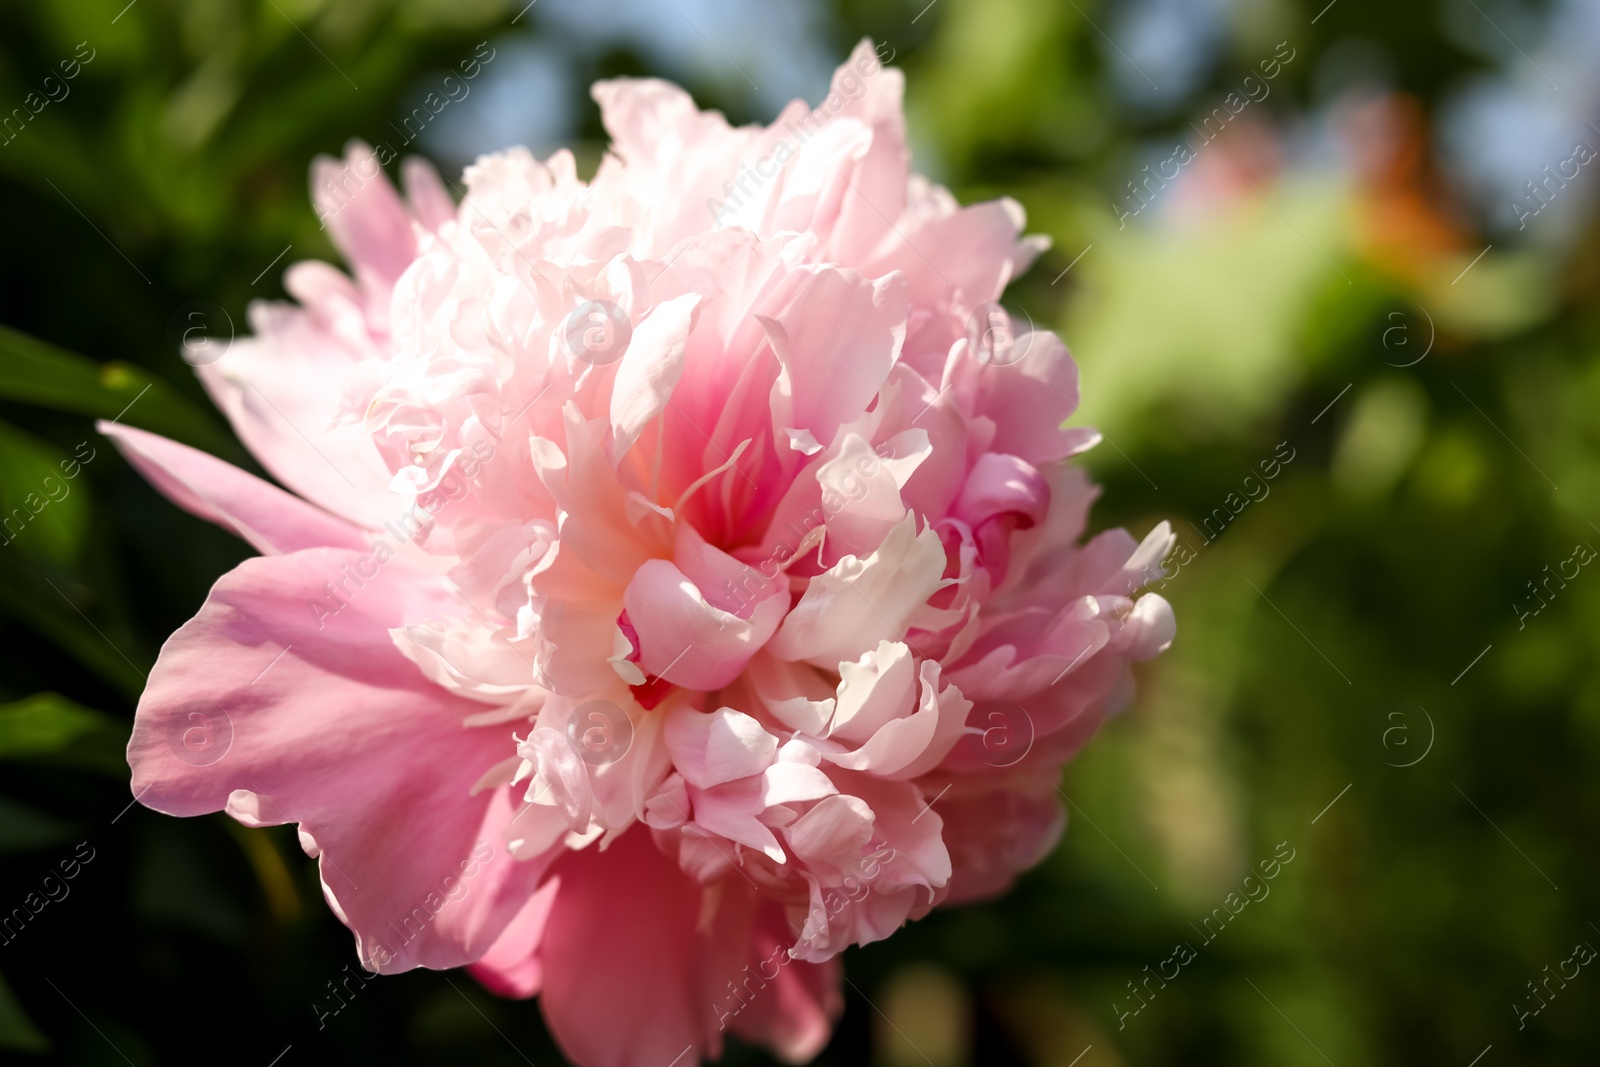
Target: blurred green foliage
(1351,678)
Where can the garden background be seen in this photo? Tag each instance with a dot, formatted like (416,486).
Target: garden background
(1374,253)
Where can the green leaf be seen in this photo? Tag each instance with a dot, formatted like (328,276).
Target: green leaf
(35,372)
(16,1029)
(42,504)
(48,728)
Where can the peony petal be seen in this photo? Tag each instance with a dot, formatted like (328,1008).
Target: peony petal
(649,371)
(837,339)
(790,782)
(264,515)
(796,695)
(732,811)
(873,690)
(277,711)
(427,193)
(274,389)
(861,490)
(794,1010)
(709,749)
(725,582)
(832,835)
(684,639)
(999,485)
(363,214)
(1148,629)
(913,745)
(512,967)
(1028,399)
(562,773)
(1034,653)
(996,827)
(622,983)
(857,603)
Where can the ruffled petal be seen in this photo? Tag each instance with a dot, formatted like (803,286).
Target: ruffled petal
(857,603)
(686,640)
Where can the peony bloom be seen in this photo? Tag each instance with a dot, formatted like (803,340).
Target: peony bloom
(683,581)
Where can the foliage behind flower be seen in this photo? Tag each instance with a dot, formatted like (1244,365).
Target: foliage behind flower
(684,582)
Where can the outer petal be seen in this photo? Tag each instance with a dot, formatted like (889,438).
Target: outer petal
(793,1013)
(426,192)
(512,966)
(259,706)
(906,876)
(1029,399)
(977,247)
(270,519)
(622,981)
(996,829)
(363,214)
(638,979)
(280,391)
(1030,652)
(1148,630)
(880,177)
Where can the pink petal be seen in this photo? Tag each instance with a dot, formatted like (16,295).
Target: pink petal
(563,772)
(913,745)
(650,370)
(264,515)
(709,749)
(861,490)
(997,828)
(849,609)
(874,690)
(1033,652)
(990,253)
(906,872)
(879,192)
(279,389)
(724,581)
(832,835)
(836,338)
(262,707)
(732,811)
(686,640)
(623,985)
(998,485)
(1029,399)
(363,214)
(512,966)
(791,782)
(795,694)
(425,190)
(795,1003)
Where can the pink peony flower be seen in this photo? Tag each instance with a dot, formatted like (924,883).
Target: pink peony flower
(683,582)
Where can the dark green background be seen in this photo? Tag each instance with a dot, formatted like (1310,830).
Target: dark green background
(1319,635)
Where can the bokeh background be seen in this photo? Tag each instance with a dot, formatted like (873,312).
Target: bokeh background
(1381,260)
